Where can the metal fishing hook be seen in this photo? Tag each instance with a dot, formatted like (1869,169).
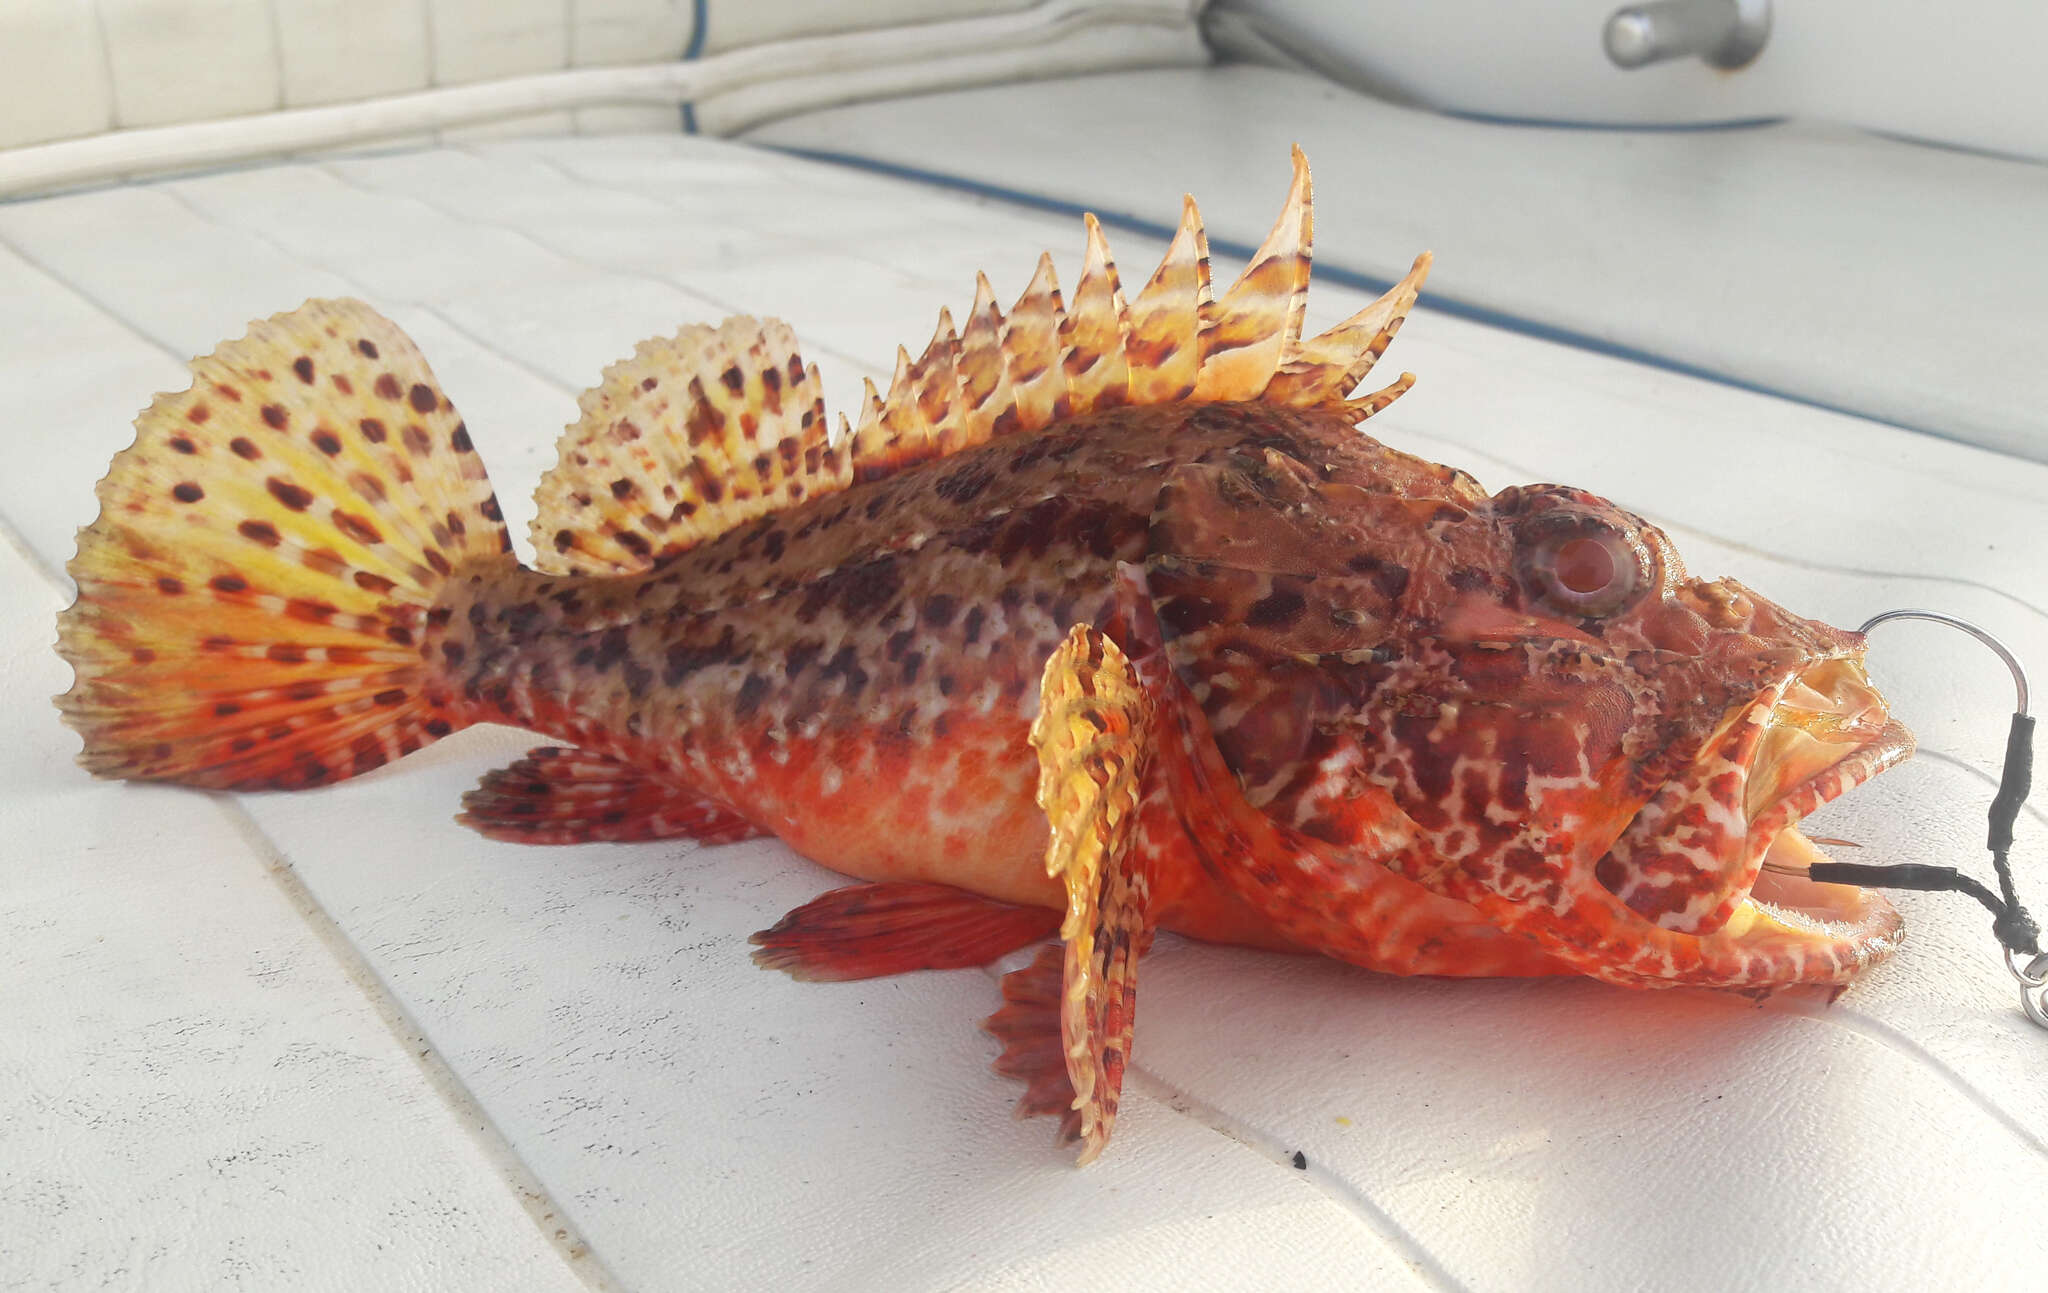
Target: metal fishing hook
(2033,985)
(2019,673)
(2013,926)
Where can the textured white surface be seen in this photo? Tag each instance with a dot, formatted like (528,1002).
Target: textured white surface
(193,1091)
(704,1124)
(1902,282)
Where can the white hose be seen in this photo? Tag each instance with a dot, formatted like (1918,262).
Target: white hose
(863,56)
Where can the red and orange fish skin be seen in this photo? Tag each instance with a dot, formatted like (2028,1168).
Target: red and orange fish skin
(1390,678)
(1390,749)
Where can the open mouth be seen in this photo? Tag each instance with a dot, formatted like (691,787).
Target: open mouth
(1829,733)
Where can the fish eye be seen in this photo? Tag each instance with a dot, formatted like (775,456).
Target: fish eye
(1582,565)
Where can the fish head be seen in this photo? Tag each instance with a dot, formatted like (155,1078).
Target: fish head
(1591,747)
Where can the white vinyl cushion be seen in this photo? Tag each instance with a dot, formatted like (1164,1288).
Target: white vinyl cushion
(703,1124)
(336,51)
(70,68)
(177,60)
(53,73)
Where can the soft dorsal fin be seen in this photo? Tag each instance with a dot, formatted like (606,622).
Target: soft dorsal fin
(692,435)
(710,428)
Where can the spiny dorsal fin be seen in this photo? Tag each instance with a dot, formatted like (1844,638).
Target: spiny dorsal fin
(710,428)
(922,417)
(1327,367)
(692,435)
(1051,359)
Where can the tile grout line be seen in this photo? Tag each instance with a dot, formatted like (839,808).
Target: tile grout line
(1339,1191)
(112,315)
(56,577)
(461,1103)
(675,284)
(2034,811)
(1884,1035)
(817,244)
(557,1230)
(171,191)
(1867,1026)
(1470,309)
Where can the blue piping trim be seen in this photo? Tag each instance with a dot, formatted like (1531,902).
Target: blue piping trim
(1345,277)
(700,13)
(1613,127)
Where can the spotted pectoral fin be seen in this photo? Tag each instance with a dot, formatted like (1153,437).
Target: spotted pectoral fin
(563,796)
(1093,735)
(865,931)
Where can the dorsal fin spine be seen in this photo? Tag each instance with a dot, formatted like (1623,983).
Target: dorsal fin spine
(1325,369)
(936,388)
(1092,334)
(1163,332)
(1031,348)
(1256,326)
(985,395)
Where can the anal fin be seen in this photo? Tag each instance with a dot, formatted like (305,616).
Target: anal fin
(865,931)
(563,796)
(1028,1026)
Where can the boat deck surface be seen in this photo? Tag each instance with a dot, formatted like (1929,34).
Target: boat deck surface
(333,1039)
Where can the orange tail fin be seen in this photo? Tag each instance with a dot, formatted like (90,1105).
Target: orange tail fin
(252,595)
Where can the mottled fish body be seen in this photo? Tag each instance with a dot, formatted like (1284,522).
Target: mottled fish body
(1106,620)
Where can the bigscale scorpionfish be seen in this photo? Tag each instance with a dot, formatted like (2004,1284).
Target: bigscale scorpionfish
(1107,619)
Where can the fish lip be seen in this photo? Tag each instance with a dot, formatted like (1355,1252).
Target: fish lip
(1890,747)
(1774,828)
